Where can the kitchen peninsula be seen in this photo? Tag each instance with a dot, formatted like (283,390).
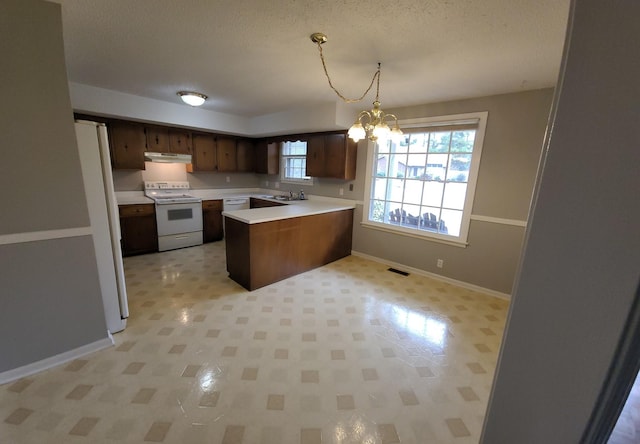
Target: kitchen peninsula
(266,245)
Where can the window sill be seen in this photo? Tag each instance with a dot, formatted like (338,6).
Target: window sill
(298,182)
(414,234)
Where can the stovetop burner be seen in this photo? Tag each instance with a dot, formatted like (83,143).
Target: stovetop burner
(169,192)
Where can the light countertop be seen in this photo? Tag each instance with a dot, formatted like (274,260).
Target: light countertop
(132,198)
(295,208)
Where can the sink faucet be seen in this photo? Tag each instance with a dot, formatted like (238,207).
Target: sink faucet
(290,194)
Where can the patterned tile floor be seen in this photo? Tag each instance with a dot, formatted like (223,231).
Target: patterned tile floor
(347,353)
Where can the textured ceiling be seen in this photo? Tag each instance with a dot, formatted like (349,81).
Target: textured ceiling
(254,57)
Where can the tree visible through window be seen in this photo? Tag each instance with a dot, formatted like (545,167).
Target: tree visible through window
(423,184)
(294,162)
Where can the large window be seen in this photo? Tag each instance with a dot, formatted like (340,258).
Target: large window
(423,184)
(294,163)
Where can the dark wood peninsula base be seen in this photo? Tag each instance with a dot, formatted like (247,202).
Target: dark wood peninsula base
(263,253)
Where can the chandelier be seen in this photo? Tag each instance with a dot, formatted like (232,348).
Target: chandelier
(373,123)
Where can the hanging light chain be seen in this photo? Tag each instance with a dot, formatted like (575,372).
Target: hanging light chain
(347,100)
(370,124)
(377,84)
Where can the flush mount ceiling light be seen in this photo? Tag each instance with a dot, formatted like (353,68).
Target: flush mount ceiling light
(371,124)
(192,98)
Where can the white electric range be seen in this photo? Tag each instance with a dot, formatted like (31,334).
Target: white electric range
(178,214)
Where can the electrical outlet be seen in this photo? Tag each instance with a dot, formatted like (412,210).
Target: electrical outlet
(277,184)
(350,187)
(228,179)
(266,184)
(341,191)
(440,263)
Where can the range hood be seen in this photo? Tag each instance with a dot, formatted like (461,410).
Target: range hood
(167,157)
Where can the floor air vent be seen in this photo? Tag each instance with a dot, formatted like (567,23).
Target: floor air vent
(395,270)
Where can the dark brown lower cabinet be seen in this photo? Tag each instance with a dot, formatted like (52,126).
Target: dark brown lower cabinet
(138,229)
(264,253)
(212,220)
(255,202)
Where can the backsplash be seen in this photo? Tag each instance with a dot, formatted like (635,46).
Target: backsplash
(132,180)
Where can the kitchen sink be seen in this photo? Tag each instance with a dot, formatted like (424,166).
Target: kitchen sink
(287,198)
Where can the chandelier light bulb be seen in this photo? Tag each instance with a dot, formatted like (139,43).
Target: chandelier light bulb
(357,132)
(396,134)
(381,131)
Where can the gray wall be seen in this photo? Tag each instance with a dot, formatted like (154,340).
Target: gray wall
(579,271)
(510,155)
(37,138)
(50,298)
(50,301)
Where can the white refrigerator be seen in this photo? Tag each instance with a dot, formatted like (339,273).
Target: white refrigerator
(93,146)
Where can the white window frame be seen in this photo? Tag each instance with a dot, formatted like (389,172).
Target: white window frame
(283,161)
(479,118)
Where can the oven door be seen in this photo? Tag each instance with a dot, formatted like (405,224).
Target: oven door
(176,218)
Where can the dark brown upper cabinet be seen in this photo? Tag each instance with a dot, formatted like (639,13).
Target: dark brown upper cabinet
(267,157)
(180,142)
(245,156)
(157,139)
(227,158)
(161,139)
(205,154)
(127,145)
(315,156)
(331,155)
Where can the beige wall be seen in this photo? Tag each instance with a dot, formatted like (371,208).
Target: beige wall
(510,155)
(511,151)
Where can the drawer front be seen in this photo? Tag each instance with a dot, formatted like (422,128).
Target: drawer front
(136,210)
(212,205)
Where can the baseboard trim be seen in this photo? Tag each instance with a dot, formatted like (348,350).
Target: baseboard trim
(488,291)
(53,361)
